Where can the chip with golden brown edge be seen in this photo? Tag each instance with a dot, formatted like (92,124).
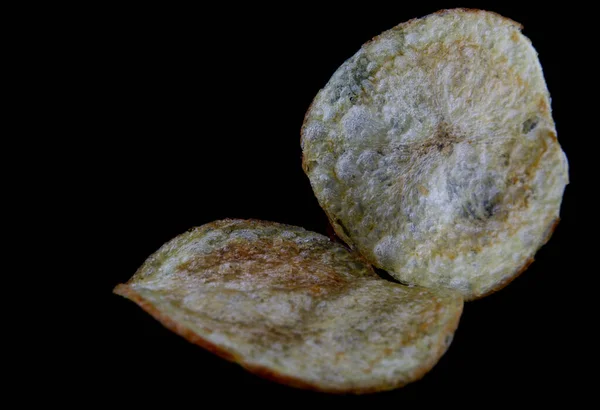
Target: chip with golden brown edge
(434,153)
(293,306)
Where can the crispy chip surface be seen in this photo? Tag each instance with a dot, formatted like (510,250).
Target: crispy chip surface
(434,153)
(295,307)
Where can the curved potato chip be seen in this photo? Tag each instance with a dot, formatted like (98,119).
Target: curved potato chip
(434,153)
(294,307)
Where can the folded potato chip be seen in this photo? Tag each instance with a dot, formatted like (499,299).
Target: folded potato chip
(434,153)
(292,306)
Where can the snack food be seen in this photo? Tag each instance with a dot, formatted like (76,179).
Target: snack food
(295,307)
(434,153)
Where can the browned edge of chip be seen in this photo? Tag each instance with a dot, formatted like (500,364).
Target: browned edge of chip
(269,374)
(523,267)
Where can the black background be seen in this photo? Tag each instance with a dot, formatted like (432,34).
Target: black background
(197,117)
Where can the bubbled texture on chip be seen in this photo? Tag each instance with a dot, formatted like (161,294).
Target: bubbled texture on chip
(434,154)
(293,306)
